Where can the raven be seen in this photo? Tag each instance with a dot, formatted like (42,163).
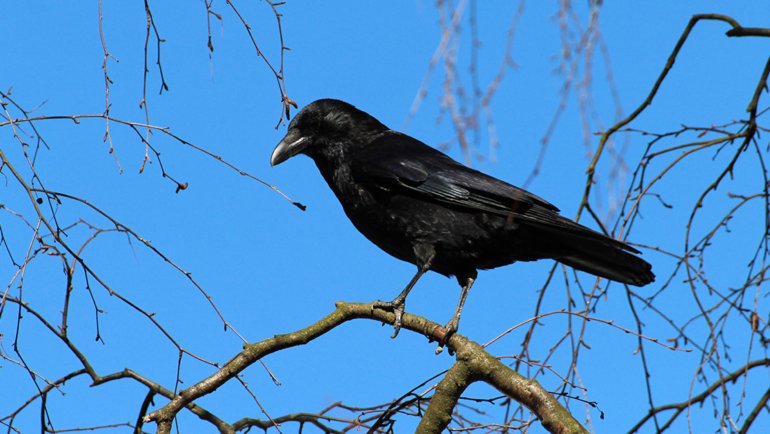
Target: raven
(422,207)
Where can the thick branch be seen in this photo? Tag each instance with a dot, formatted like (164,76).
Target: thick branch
(554,416)
(254,352)
(475,365)
(444,400)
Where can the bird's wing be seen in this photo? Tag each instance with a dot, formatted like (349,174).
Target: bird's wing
(401,164)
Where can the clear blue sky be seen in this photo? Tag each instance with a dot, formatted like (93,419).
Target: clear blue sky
(273,269)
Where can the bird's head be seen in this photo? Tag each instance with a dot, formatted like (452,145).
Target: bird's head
(323,124)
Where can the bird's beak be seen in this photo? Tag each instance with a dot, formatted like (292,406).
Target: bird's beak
(288,147)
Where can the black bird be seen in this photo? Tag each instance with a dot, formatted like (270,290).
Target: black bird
(425,208)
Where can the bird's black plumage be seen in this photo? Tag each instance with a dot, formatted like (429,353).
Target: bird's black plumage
(423,207)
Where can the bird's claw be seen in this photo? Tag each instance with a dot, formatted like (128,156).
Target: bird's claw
(449,329)
(397,309)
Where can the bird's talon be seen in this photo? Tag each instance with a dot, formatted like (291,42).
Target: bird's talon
(397,309)
(449,330)
(398,312)
(384,305)
(395,332)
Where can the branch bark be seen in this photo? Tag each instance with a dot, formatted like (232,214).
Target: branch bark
(473,364)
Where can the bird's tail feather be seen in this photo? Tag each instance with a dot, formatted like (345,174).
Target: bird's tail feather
(586,250)
(600,258)
(616,265)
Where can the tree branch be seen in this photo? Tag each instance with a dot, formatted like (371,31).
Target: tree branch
(474,364)
(737,30)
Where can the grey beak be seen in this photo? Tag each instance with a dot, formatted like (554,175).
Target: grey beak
(288,147)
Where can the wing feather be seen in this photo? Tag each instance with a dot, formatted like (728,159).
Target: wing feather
(401,164)
(397,162)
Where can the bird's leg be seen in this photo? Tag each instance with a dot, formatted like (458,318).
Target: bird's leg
(398,303)
(465,281)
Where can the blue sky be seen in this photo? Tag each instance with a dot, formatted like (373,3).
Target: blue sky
(272,268)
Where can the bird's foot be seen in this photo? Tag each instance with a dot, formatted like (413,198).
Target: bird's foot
(449,329)
(397,307)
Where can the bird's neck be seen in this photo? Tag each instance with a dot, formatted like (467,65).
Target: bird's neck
(336,168)
(337,175)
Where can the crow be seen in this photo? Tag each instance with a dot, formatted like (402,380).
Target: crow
(421,206)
